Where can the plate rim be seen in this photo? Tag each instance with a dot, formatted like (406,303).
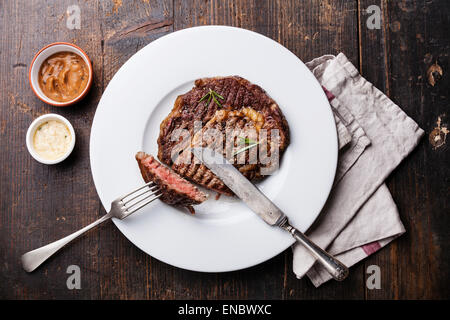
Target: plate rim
(335,150)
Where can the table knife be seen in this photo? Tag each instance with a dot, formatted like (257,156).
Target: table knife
(265,208)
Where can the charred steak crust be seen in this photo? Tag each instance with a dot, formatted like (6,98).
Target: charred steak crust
(170,193)
(237,93)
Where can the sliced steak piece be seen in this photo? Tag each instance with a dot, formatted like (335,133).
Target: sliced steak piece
(241,107)
(175,190)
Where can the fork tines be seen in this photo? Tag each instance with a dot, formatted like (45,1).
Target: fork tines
(135,200)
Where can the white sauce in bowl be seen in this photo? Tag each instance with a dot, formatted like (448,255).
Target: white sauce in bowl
(52,140)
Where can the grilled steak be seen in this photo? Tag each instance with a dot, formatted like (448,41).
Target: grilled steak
(175,190)
(224,113)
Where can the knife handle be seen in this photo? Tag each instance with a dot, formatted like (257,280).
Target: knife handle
(336,268)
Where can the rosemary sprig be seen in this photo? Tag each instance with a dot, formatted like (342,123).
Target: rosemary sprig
(212,95)
(249,144)
(247,140)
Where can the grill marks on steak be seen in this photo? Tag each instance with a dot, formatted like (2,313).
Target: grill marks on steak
(236,125)
(239,94)
(175,190)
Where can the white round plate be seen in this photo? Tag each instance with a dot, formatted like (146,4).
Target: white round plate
(223,235)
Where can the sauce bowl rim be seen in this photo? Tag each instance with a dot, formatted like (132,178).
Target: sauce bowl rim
(32,129)
(48,100)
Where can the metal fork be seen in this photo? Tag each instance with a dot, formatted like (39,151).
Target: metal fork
(120,208)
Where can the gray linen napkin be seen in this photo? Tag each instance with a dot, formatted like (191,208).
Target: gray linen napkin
(375,135)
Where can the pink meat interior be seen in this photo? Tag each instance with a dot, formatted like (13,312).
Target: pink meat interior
(173,180)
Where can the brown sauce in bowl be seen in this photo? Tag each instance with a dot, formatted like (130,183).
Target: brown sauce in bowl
(63,76)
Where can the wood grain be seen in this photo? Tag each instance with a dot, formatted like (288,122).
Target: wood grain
(417,33)
(39,203)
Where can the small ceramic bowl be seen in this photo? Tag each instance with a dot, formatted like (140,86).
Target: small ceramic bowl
(46,52)
(35,125)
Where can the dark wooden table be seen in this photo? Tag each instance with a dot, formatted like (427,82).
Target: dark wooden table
(41,203)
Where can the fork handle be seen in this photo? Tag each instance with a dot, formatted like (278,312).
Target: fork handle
(336,268)
(33,259)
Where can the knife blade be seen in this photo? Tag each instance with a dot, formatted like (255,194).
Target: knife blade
(240,185)
(265,208)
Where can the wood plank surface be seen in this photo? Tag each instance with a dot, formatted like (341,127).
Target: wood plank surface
(40,203)
(396,59)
